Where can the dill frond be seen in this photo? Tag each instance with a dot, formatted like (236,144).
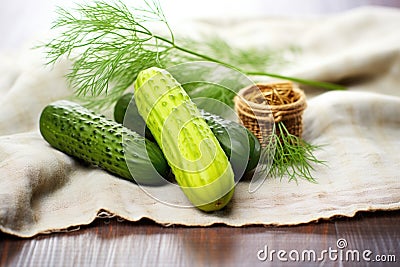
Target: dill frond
(293,156)
(109,44)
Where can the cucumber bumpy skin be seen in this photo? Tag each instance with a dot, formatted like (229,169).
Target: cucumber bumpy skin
(197,160)
(235,139)
(134,121)
(96,140)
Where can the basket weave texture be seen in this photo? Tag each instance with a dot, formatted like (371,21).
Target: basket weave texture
(261,106)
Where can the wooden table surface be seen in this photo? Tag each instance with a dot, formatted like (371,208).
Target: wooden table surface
(109,242)
(113,243)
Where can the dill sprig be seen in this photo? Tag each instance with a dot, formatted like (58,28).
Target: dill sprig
(250,59)
(293,156)
(109,44)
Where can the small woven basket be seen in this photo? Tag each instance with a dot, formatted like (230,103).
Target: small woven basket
(260,107)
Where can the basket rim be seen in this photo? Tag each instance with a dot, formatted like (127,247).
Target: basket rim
(301,101)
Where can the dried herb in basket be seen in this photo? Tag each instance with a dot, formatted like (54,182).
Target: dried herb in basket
(274,113)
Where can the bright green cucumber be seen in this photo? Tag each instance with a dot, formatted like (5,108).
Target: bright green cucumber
(235,139)
(197,160)
(83,134)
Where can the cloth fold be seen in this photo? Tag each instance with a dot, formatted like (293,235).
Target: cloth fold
(43,190)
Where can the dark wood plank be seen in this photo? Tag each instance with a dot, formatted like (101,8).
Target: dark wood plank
(145,243)
(112,243)
(378,234)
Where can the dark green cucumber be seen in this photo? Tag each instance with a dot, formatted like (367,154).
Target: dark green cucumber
(134,121)
(94,139)
(235,139)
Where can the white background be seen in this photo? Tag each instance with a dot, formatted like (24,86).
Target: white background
(23,20)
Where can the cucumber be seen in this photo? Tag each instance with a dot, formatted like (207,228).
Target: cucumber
(197,160)
(134,121)
(235,139)
(96,140)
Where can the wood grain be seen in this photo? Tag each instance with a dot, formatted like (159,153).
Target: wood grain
(114,243)
(379,234)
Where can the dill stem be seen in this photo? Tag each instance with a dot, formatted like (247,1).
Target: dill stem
(208,58)
(117,45)
(326,85)
(191,52)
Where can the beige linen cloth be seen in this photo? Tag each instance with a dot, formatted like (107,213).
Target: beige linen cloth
(43,190)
